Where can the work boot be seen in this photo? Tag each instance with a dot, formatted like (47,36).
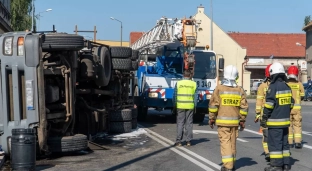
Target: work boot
(273,168)
(291,145)
(188,144)
(298,145)
(225,169)
(286,167)
(178,144)
(267,157)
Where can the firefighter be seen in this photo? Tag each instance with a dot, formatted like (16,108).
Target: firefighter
(185,97)
(276,115)
(262,90)
(295,130)
(228,109)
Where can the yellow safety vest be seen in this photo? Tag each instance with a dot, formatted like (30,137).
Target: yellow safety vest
(185,94)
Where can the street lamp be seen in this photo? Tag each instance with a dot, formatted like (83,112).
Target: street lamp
(38,15)
(112,18)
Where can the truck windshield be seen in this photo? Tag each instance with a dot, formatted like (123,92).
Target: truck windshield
(205,65)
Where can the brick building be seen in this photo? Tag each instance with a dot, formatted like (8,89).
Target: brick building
(5,23)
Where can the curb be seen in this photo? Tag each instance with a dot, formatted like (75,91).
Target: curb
(303,103)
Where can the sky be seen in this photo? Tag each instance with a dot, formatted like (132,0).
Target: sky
(252,16)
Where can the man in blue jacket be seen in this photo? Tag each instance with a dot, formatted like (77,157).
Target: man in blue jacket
(307,88)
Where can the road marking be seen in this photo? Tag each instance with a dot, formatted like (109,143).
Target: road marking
(307,133)
(183,149)
(203,166)
(213,132)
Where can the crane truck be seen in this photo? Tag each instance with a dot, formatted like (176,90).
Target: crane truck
(66,88)
(165,52)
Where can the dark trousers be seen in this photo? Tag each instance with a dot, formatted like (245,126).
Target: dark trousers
(278,146)
(184,122)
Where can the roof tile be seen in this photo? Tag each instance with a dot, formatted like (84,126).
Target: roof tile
(267,44)
(134,36)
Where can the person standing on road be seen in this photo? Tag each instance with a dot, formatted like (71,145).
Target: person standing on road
(228,109)
(307,88)
(262,90)
(295,129)
(185,102)
(276,115)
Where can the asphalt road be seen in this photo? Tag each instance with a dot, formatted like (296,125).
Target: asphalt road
(153,150)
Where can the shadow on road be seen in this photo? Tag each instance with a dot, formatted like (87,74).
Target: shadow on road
(251,137)
(245,161)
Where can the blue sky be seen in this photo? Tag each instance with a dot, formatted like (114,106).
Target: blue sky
(269,16)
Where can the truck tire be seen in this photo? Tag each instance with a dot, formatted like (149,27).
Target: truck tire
(120,52)
(105,69)
(121,115)
(135,65)
(134,123)
(135,55)
(198,117)
(120,127)
(68,143)
(122,64)
(62,41)
(142,113)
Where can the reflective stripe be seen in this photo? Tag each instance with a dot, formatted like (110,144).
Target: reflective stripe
(213,109)
(258,107)
(185,95)
(302,94)
(227,120)
(297,106)
(265,145)
(278,122)
(180,101)
(230,93)
(286,153)
(284,93)
(269,105)
(290,136)
(226,159)
(243,111)
(276,155)
(230,98)
(298,135)
(260,97)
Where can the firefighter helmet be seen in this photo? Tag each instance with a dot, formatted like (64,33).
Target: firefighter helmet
(267,72)
(230,72)
(293,72)
(276,68)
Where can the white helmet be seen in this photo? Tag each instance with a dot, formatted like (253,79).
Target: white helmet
(230,72)
(276,68)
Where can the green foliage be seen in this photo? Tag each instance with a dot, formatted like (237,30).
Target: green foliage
(307,20)
(21,17)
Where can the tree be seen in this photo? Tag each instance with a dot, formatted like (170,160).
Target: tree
(21,15)
(307,20)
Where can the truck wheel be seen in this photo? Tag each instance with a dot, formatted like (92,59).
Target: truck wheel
(198,117)
(62,41)
(121,115)
(135,55)
(122,64)
(142,113)
(120,127)
(120,52)
(105,69)
(68,143)
(135,65)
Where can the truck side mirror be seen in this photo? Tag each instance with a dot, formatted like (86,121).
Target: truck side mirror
(221,63)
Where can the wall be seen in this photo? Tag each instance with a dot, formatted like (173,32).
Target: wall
(5,23)
(309,50)
(285,61)
(223,44)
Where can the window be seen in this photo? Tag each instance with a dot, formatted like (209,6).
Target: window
(205,65)
(200,48)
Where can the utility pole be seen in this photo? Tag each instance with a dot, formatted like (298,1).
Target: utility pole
(87,31)
(211,19)
(32,17)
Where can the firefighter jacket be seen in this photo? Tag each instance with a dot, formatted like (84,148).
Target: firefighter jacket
(185,94)
(228,106)
(278,104)
(261,93)
(297,92)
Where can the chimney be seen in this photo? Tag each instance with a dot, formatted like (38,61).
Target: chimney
(200,9)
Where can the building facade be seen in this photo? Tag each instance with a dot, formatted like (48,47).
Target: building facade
(5,23)
(308,47)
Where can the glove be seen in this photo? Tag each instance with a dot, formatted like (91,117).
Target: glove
(263,123)
(257,118)
(211,123)
(242,125)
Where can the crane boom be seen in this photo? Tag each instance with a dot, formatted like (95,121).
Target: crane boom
(168,32)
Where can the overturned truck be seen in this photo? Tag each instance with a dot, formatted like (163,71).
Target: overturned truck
(68,89)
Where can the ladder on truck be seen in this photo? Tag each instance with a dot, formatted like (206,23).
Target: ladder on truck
(168,32)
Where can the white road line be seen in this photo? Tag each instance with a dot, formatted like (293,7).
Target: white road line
(307,133)
(203,166)
(213,132)
(183,149)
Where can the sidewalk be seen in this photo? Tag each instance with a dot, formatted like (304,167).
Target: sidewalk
(304,103)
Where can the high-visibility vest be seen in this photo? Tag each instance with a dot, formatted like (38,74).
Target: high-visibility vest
(185,94)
